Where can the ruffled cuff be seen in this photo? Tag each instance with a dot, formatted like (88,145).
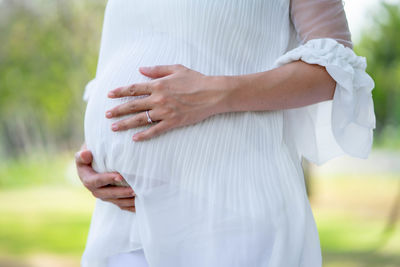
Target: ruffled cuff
(343,125)
(87,90)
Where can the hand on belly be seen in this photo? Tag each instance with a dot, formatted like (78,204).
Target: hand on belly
(177,96)
(108,186)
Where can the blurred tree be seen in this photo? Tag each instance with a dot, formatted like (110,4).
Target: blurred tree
(380,44)
(49,48)
(48,52)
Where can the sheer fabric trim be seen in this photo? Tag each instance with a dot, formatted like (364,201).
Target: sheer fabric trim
(343,125)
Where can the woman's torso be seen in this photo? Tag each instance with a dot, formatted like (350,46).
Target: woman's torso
(212,37)
(233,170)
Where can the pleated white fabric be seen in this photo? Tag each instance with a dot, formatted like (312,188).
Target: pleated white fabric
(229,190)
(134,258)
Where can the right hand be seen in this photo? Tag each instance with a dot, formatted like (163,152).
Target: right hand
(100,184)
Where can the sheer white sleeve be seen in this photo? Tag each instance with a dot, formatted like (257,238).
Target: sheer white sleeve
(343,125)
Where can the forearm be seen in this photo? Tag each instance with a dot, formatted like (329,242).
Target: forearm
(293,85)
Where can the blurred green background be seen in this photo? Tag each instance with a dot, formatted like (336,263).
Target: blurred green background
(48,51)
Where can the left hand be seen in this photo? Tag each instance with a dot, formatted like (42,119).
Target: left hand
(178,96)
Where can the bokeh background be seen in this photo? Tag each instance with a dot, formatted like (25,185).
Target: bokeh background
(48,52)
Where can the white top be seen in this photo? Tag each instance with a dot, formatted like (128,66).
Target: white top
(229,190)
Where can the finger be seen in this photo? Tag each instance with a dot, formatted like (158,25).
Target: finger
(137,120)
(131,209)
(93,180)
(135,89)
(122,202)
(99,180)
(160,70)
(84,166)
(153,131)
(113,192)
(83,157)
(132,106)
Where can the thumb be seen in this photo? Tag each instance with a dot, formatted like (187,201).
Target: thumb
(157,71)
(86,156)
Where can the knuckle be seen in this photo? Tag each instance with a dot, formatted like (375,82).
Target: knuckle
(163,112)
(96,183)
(99,178)
(132,89)
(114,201)
(173,114)
(141,120)
(122,125)
(118,91)
(144,136)
(157,85)
(160,100)
(125,204)
(128,192)
(175,119)
(131,108)
(166,111)
(115,111)
(86,183)
(154,131)
(178,66)
(113,195)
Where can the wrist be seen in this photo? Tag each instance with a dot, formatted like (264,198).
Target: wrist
(225,87)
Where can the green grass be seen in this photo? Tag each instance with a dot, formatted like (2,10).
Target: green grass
(36,169)
(357,241)
(48,217)
(351,215)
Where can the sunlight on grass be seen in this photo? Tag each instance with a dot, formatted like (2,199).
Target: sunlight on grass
(47,224)
(44,219)
(35,169)
(351,214)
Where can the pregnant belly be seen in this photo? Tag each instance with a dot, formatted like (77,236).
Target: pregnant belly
(224,143)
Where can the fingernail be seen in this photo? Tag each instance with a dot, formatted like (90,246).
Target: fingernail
(133,194)
(135,137)
(111,94)
(108,114)
(118,179)
(114,127)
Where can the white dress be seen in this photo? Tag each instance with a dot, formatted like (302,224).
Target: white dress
(135,258)
(229,190)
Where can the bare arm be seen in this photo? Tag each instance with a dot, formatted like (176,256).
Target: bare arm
(180,96)
(293,85)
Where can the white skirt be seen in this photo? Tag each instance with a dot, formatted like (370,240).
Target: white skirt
(134,258)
